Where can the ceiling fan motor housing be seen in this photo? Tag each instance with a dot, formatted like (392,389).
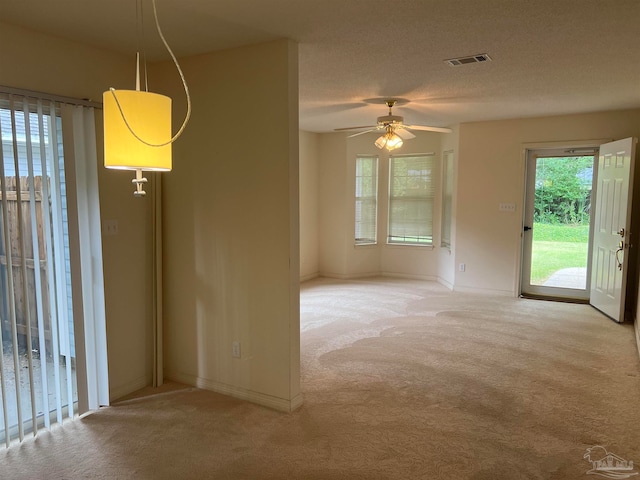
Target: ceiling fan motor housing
(390,120)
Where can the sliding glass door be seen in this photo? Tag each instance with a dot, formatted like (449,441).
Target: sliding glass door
(37,358)
(53,361)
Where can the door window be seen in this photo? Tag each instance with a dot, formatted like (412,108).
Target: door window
(557,224)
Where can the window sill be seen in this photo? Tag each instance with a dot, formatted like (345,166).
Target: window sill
(414,245)
(359,245)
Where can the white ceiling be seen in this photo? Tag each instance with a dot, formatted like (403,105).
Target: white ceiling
(549,56)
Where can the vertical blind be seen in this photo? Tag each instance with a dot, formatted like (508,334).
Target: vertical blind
(86,256)
(366,199)
(47,159)
(411,193)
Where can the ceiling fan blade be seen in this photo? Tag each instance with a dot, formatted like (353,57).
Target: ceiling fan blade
(404,134)
(360,133)
(429,129)
(353,128)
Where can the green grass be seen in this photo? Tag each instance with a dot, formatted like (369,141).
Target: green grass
(560,233)
(556,247)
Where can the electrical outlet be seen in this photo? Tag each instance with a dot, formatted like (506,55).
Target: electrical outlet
(462,267)
(110,227)
(235,349)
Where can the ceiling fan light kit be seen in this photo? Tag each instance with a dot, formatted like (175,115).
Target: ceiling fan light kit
(390,140)
(394,127)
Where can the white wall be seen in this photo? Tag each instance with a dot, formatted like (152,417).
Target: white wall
(33,61)
(309,215)
(491,171)
(230,230)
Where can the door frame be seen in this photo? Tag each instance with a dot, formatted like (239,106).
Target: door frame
(554,148)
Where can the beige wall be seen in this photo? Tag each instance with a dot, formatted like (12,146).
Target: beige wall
(339,257)
(491,171)
(231,236)
(309,252)
(332,195)
(33,61)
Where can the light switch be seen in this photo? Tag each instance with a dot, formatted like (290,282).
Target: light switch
(507,207)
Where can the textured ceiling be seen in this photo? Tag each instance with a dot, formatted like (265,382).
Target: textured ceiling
(549,56)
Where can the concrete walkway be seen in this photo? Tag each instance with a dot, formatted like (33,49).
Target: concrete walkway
(25,391)
(575,277)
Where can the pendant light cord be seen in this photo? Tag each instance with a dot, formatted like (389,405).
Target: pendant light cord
(184,84)
(141,45)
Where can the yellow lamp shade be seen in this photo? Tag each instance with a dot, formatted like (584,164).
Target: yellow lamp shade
(149,116)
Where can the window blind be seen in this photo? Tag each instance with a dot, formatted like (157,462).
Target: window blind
(366,202)
(411,193)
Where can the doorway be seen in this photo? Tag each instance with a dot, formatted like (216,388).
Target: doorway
(556,260)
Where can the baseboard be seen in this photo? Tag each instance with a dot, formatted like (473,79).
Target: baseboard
(358,276)
(636,327)
(409,276)
(445,283)
(270,401)
(485,291)
(119,392)
(351,276)
(296,402)
(310,276)
(337,276)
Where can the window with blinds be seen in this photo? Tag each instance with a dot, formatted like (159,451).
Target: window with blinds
(411,193)
(366,199)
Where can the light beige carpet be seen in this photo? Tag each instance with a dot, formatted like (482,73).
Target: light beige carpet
(401,380)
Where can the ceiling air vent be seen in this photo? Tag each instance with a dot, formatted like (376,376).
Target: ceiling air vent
(454,62)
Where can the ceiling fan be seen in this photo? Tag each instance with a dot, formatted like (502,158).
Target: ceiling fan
(395,131)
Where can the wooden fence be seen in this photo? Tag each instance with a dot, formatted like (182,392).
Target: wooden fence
(24,260)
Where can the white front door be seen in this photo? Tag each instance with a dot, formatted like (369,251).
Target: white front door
(557,220)
(610,262)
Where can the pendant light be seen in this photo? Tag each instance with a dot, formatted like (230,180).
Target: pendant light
(137,126)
